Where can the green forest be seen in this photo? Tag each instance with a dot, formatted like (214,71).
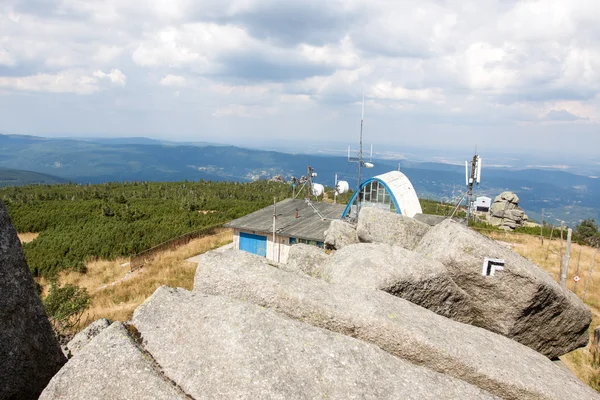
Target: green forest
(81,222)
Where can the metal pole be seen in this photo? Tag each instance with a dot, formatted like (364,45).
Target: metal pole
(274,218)
(589,276)
(560,257)
(470,190)
(542,227)
(550,242)
(565,269)
(577,271)
(360,149)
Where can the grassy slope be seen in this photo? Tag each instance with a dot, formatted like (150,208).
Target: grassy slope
(117,301)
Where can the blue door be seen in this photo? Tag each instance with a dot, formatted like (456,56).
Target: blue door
(254,244)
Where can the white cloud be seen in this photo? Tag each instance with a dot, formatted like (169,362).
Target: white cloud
(243,111)
(64,82)
(386,90)
(69,81)
(173,80)
(6,58)
(499,64)
(115,76)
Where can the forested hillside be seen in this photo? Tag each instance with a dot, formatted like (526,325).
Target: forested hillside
(16,177)
(81,222)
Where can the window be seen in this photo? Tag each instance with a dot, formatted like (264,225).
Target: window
(305,241)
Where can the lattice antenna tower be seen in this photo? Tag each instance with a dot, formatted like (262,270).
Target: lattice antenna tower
(359,159)
(470,179)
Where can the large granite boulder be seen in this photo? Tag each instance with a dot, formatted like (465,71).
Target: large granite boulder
(402,273)
(29,352)
(521,301)
(81,339)
(112,366)
(505,212)
(380,226)
(305,259)
(340,234)
(405,330)
(217,347)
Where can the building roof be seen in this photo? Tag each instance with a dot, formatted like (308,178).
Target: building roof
(401,190)
(309,225)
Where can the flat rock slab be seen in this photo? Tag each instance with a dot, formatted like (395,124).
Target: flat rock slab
(111,366)
(217,347)
(380,226)
(402,273)
(29,352)
(480,357)
(81,339)
(521,301)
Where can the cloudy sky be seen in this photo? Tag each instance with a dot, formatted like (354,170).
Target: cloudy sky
(502,74)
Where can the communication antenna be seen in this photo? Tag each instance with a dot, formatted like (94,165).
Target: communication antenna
(471,179)
(359,159)
(341,187)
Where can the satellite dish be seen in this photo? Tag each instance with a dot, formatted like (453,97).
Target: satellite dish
(369,165)
(317,189)
(342,187)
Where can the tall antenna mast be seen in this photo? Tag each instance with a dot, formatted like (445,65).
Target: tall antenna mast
(470,180)
(359,160)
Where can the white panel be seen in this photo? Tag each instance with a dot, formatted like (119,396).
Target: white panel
(403,191)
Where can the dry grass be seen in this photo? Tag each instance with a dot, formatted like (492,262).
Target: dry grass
(28,237)
(118,301)
(548,257)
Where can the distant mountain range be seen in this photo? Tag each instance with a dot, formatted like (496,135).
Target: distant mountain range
(563,195)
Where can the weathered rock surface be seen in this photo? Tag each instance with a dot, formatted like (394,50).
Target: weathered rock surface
(217,347)
(29,352)
(111,366)
(81,339)
(507,196)
(521,302)
(305,259)
(380,226)
(429,219)
(402,273)
(482,358)
(340,234)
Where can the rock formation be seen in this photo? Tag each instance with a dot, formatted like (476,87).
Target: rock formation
(405,330)
(112,366)
(306,259)
(381,226)
(521,301)
(345,326)
(277,178)
(505,212)
(402,273)
(340,234)
(29,352)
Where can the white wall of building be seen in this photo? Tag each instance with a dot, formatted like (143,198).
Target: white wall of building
(278,252)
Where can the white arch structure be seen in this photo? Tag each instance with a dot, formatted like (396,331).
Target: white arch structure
(390,191)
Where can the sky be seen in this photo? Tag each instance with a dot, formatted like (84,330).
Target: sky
(502,75)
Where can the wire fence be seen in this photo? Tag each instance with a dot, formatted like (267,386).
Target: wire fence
(138,260)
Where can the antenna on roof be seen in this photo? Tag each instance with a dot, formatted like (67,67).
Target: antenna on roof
(475,177)
(359,159)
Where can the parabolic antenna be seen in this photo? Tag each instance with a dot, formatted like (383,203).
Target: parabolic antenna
(342,187)
(317,189)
